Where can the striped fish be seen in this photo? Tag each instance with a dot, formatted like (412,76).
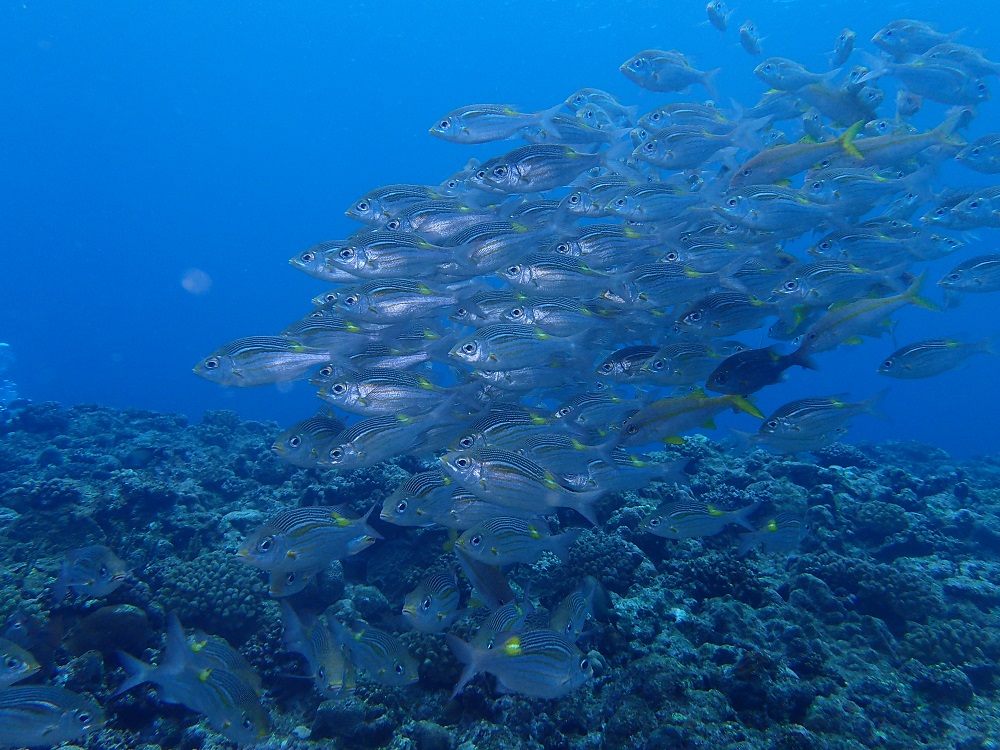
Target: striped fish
(558,316)
(505,346)
(284,583)
(504,540)
(184,676)
(688,362)
(437,221)
(979,274)
(419,500)
(260,360)
(330,669)
(376,439)
(303,539)
(924,359)
(378,653)
(433,605)
(509,618)
(553,274)
(689,518)
(314,263)
(589,599)
(376,206)
(465,510)
(44,715)
(377,391)
(536,663)
(391,301)
(780,535)
(667,418)
(491,245)
(509,479)
(382,254)
(301,443)
(487,581)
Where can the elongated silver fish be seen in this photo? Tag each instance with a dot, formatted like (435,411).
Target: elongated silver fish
(260,360)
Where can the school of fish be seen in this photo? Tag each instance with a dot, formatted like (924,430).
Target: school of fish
(526,326)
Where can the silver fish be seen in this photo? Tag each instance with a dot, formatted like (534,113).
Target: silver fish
(44,715)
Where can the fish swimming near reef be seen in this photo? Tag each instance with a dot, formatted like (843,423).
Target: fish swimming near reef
(92,572)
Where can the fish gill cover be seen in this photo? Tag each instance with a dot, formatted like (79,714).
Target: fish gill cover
(507,489)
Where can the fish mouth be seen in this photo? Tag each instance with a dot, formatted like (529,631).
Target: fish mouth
(409,611)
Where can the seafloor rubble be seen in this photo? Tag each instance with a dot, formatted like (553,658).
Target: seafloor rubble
(881,630)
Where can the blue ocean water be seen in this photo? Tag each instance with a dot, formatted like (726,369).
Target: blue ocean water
(148,146)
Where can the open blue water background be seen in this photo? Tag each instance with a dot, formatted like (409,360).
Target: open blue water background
(141,140)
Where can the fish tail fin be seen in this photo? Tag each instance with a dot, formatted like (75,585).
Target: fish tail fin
(708,81)
(802,359)
(585,505)
(989,345)
(747,542)
(877,66)
(847,139)
(945,132)
(561,543)
(293,633)
(742,515)
(913,294)
(466,654)
(138,672)
(873,405)
(742,403)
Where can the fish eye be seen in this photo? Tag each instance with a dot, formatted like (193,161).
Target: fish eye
(444,125)
(247,724)
(974,205)
(632,429)
(773,424)
(362,206)
(264,545)
(620,203)
(393,225)
(562,247)
(954,276)
(307,257)
(476,540)
(426,604)
(649,146)
(103,572)
(887,364)
(981,87)
(733,202)
(517,312)
(480,174)
(401,506)
(655,117)
(400,669)
(466,442)
(321,673)
(83,717)
(657,365)
(818,185)
(768,67)
(351,300)
(513,270)
(336,454)
(12,663)
(338,388)
(562,412)
(584,664)
(654,522)
(693,317)
(317,315)
(607,367)
(568,630)
(673,256)
(326,371)
(975,151)
(462,463)
(746,172)
(290,578)
(469,348)
(500,171)
(825,245)
(346,253)
(791,286)
(574,199)
(211,364)
(637,63)
(452,183)
(295,441)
